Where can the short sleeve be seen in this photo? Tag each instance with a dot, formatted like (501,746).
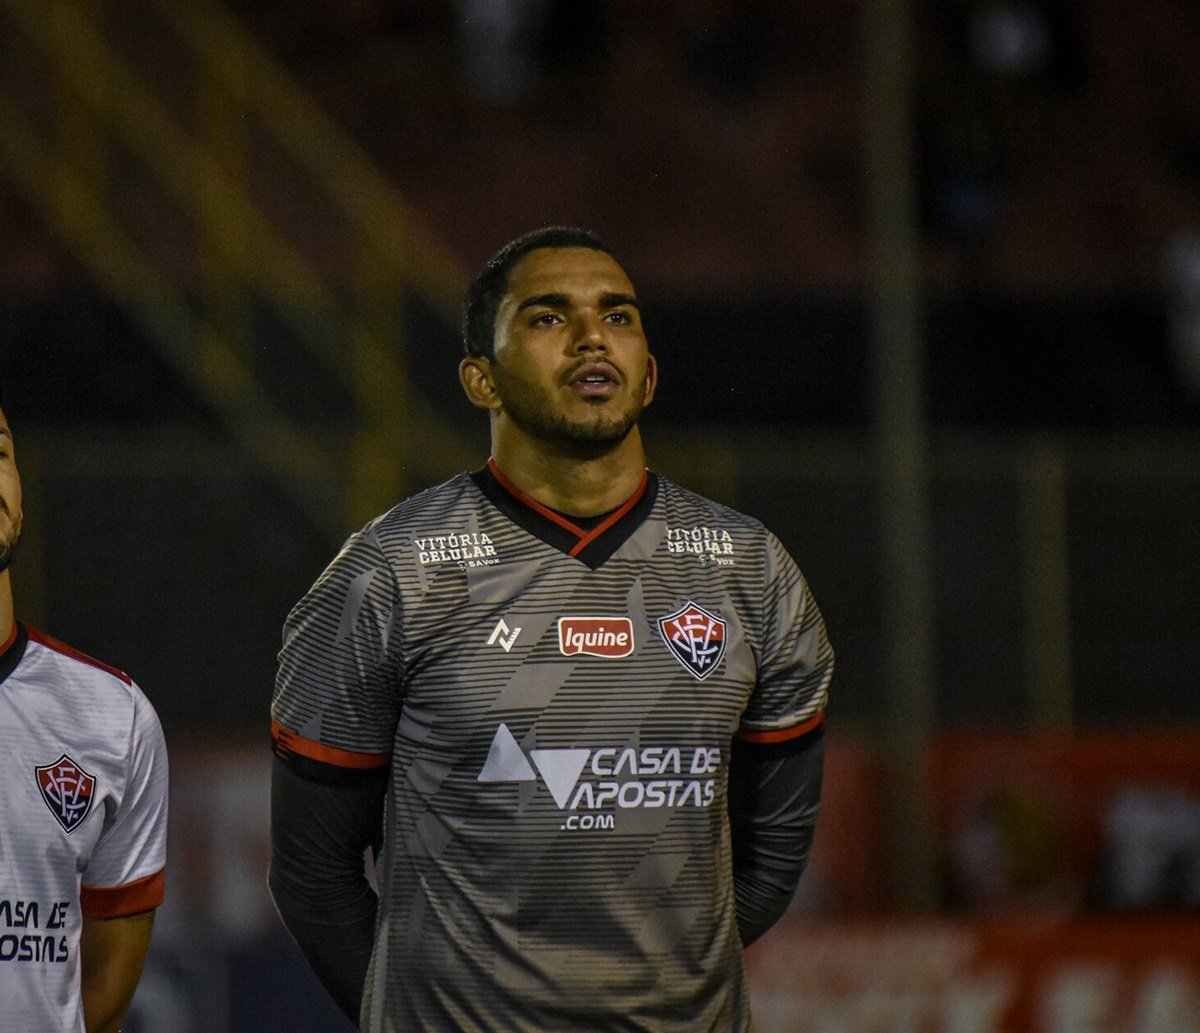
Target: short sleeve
(796,661)
(124,875)
(337,695)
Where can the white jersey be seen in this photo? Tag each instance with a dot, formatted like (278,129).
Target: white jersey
(83,819)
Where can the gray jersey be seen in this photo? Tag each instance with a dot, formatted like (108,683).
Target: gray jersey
(556,848)
(83,816)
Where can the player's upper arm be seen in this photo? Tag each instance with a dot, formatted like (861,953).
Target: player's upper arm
(795,657)
(124,875)
(337,684)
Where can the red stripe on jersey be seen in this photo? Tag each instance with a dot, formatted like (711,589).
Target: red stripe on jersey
(122,901)
(287,741)
(782,734)
(36,635)
(613,517)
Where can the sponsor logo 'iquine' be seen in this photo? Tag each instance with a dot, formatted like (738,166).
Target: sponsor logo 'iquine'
(595,636)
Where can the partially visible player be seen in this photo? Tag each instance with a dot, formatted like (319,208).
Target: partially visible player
(581,705)
(83,817)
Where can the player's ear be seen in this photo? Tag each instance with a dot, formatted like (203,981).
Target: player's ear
(475,375)
(651,379)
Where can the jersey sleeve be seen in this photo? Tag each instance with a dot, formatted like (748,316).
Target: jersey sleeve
(125,874)
(796,662)
(337,695)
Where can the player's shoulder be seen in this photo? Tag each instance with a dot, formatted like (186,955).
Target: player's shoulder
(75,661)
(384,538)
(451,500)
(684,505)
(75,678)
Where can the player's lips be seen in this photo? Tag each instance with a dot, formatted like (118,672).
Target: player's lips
(595,379)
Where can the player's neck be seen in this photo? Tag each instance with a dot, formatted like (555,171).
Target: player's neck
(6,605)
(568,484)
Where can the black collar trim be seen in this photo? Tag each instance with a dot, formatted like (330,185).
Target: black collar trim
(591,540)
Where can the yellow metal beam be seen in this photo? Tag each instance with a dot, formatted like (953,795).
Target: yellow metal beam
(198,349)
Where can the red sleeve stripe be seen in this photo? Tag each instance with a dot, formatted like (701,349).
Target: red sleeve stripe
(782,734)
(122,901)
(39,636)
(287,741)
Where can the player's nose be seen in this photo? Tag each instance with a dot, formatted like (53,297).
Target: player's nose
(589,333)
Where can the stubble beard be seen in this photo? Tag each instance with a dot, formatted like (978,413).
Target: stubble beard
(8,546)
(586,438)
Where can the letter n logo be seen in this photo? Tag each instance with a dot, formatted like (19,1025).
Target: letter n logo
(695,637)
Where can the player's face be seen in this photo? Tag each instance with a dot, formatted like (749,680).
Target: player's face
(571,368)
(10,496)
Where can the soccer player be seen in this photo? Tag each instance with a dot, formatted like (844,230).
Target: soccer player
(83,815)
(574,708)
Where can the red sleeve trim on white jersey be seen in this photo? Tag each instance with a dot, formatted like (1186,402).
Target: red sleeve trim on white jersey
(122,901)
(40,637)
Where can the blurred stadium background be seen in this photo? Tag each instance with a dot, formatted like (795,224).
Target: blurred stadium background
(924,281)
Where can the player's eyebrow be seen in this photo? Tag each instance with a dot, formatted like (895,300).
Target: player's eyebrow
(616,300)
(548,300)
(552,300)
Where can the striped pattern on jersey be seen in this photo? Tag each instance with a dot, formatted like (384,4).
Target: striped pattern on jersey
(556,849)
(83,807)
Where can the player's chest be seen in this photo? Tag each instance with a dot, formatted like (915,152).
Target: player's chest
(658,637)
(57,779)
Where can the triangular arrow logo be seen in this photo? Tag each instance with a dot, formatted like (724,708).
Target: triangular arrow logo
(560,769)
(505,761)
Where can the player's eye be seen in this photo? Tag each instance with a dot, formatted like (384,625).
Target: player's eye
(619,317)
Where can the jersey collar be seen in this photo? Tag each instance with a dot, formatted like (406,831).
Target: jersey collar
(592,540)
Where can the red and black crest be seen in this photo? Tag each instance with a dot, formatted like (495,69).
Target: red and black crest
(67,790)
(696,638)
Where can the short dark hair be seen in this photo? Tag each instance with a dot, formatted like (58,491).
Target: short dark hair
(487,289)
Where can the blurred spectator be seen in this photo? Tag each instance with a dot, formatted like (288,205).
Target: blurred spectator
(1183,307)
(496,37)
(1035,42)
(1010,853)
(1152,848)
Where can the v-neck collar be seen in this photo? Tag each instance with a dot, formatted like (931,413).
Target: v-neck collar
(591,540)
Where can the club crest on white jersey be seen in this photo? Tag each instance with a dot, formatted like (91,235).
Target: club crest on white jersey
(68,791)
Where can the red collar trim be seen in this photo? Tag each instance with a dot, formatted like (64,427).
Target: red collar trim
(585,536)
